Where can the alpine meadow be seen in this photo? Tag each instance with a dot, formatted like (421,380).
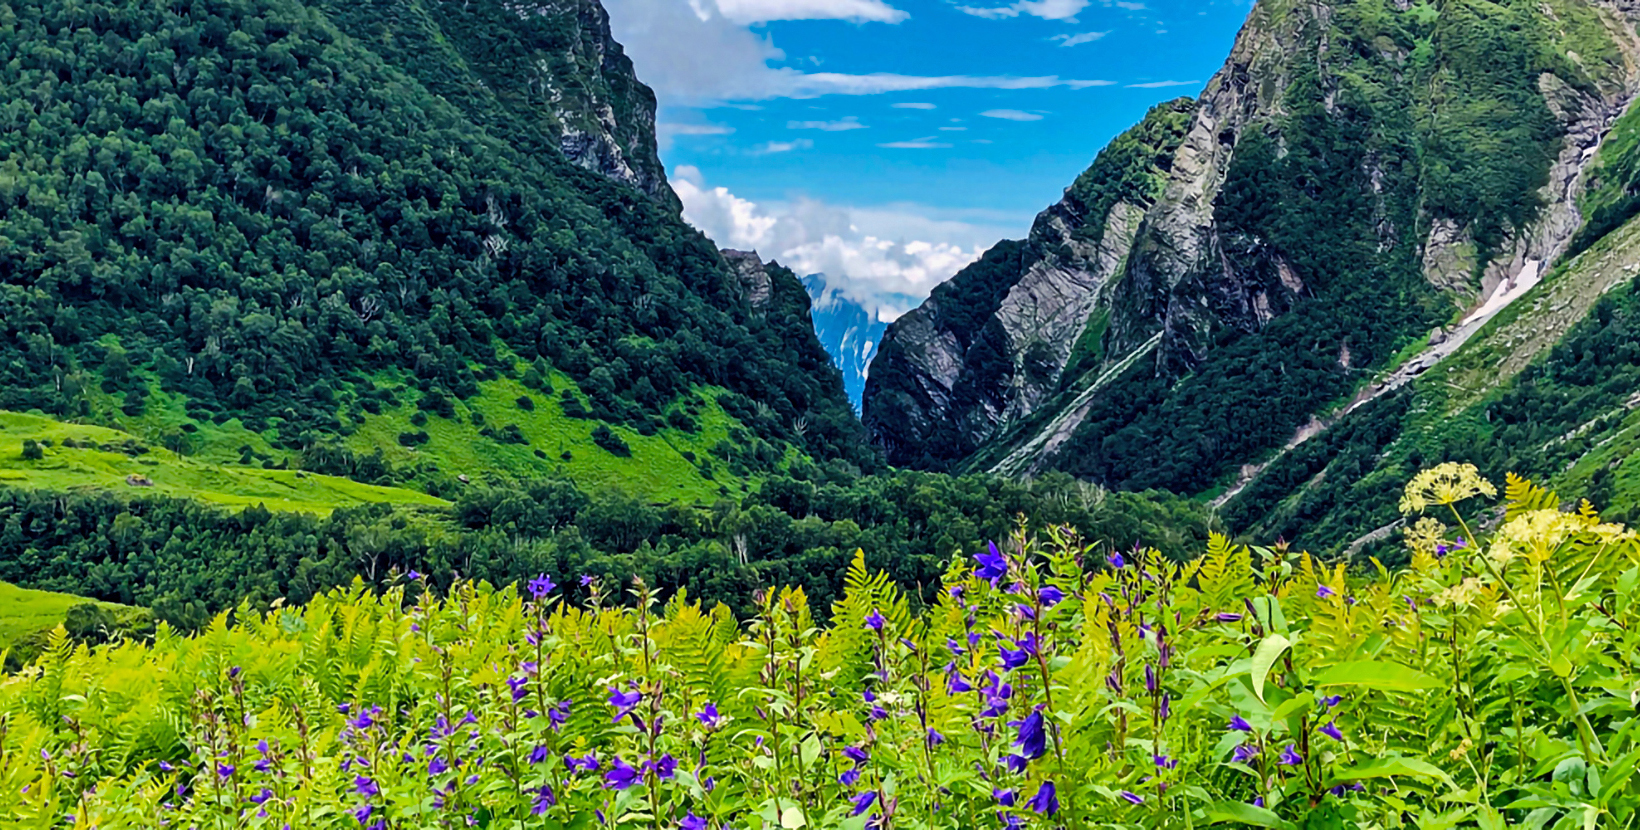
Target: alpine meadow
(390,440)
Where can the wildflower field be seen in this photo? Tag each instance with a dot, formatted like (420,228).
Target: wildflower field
(1055,684)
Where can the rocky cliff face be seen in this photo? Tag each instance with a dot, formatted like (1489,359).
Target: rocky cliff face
(994,342)
(1355,175)
(541,73)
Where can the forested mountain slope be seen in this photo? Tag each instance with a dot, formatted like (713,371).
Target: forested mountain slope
(1360,180)
(297,234)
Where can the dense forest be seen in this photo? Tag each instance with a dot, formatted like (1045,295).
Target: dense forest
(187,561)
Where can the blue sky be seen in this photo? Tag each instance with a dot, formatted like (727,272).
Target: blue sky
(889,142)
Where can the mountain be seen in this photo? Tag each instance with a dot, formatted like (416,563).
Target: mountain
(849,330)
(406,241)
(1367,190)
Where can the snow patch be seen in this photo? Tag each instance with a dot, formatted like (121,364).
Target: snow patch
(1507,292)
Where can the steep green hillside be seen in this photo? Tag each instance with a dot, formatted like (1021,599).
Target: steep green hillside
(244,218)
(24,612)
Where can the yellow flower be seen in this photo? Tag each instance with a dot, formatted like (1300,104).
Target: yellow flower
(1447,483)
(1462,595)
(1421,538)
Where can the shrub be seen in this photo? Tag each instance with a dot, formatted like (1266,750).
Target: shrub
(32,450)
(605,437)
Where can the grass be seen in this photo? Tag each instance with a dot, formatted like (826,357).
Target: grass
(105,466)
(24,611)
(657,468)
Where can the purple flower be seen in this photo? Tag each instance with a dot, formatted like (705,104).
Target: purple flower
(874,620)
(1045,801)
(556,715)
(538,755)
(1239,724)
(413,576)
(692,822)
(1033,739)
(1245,754)
(709,717)
(1290,756)
(587,764)
(518,686)
(863,802)
(1332,701)
(543,799)
(362,812)
(623,702)
(934,737)
(856,754)
(1331,731)
(1012,658)
(849,777)
(224,770)
(666,767)
(1164,762)
(1050,595)
(1131,797)
(437,766)
(541,586)
(1116,561)
(1150,679)
(262,796)
(1324,592)
(1006,798)
(992,564)
(365,786)
(621,775)
(1228,617)
(587,580)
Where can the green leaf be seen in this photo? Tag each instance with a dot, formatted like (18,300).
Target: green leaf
(791,818)
(1372,674)
(1390,767)
(1265,657)
(1239,813)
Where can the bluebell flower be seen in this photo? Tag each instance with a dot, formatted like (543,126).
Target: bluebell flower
(1290,756)
(692,822)
(1046,801)
(543,799)
(863,802)
(541,586)
(1131,797)
(1245,754)
(1331,731)
(874,620)
(1050,595)
(992,564)
(1324,592)
(1033,738)
(622,775)
(1239,724)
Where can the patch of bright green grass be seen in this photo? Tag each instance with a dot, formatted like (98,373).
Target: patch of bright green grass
(97,464)
(24,611)
(657,467)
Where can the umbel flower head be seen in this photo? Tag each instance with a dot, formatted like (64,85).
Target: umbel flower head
(1445,484)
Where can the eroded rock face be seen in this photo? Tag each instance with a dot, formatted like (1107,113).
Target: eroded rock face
(755,285)
(994,343)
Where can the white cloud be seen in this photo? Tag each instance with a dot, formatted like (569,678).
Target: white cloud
(693,54)
(916,144)
(1045,9)
(763,11)
(1162,84)
(848,123)
(773,147)
(912,106)
(954,129)
(666,131)
(1078,40)
(1012,115)
(886,258)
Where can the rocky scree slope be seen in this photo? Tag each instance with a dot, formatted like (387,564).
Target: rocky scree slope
(1357,175)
